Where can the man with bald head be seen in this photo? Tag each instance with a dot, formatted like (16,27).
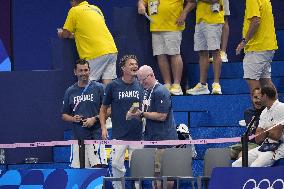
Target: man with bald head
(157,112)
(157,109)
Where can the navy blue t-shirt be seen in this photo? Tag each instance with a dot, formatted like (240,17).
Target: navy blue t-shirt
(160,101)
(89,104)
(121,96)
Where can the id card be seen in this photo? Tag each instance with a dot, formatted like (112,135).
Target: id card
(215,7)
(154,7)
(146,102)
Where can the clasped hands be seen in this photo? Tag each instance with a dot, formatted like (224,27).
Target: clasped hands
(134,115)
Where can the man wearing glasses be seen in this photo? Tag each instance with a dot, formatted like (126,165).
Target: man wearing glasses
(156,112)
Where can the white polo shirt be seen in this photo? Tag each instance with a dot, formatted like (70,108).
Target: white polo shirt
(270,117)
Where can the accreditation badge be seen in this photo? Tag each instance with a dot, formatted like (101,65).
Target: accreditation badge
(146,102)
(154,6)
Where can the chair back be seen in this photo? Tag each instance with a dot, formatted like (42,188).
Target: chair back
(216,157)
(176,162)
(142,162)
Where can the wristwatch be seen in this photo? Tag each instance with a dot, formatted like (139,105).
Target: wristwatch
(142,114)
(244,40)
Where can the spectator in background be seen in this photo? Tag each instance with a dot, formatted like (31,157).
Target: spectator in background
(259,43)
(166,38)
(157,112)
(81,107)
(120,95)
(207,37)
(272,115)
(93,40)
(225,33)
(251,117)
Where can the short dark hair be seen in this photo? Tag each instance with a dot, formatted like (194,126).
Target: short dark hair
(81,62)
(125,58)
(269,91)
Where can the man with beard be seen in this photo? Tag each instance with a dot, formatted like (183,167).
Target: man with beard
(251,114)
(81,107)
(272,147)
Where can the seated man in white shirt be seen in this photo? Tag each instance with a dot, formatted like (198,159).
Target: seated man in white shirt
(272,115)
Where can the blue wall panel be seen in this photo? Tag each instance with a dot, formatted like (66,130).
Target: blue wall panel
(5,24)
(33,100)
(30,111)
(279,55)
(34,23)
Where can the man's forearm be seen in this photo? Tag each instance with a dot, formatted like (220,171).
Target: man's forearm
(189,7)
(260,135)
(155,116)
(68,118)
(254,24)
(276,133)
(103,116)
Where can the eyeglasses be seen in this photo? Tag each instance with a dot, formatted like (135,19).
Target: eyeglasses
(144,79)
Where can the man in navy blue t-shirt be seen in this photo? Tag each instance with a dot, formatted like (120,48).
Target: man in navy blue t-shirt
(157,113)
(157,107)
(120,95)
(81,107)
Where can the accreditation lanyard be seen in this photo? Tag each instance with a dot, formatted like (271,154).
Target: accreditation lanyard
(147,101)
(78,102)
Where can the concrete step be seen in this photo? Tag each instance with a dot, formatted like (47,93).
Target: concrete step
(212,110)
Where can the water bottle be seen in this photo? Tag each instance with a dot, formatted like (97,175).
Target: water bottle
(2,156)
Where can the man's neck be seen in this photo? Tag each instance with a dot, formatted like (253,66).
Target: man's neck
(270,103)
(153,85)
(82,83)
(128,79)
